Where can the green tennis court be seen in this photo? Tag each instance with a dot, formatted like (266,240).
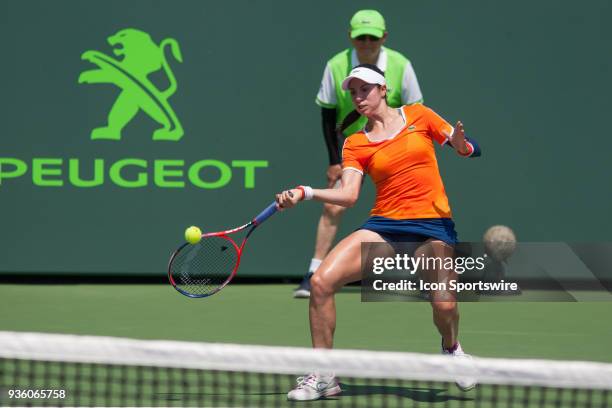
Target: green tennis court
(263,314)
(266,315)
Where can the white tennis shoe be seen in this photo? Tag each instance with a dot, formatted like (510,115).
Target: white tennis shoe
(463,383)
(313,387)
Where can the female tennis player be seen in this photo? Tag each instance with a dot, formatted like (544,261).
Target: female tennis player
(396,149)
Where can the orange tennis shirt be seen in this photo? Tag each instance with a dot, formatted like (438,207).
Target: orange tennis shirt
(404,167)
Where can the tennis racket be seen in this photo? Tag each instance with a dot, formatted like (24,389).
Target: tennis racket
(203,269)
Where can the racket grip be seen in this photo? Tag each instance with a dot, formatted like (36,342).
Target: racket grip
(267,213)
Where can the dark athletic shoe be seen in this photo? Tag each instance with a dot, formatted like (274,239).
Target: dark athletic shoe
(303,291)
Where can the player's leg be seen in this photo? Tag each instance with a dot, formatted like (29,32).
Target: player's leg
(444,302)
(341,266)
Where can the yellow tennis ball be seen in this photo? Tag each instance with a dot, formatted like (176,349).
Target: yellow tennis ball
(193,235)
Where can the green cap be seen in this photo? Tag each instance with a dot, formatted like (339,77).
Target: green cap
(369,22)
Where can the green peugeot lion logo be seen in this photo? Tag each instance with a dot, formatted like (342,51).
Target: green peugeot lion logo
(141,57)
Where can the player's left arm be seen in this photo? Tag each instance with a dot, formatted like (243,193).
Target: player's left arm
(465,146)
(442,132)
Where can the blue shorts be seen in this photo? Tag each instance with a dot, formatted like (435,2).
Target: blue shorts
(414,230)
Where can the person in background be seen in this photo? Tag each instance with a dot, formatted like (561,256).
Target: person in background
(368,35)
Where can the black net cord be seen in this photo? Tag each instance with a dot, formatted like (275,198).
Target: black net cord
(96,387)
(108,391)
(215,386)
(261,385)
(123,388)
(607,399)
(589,400)
(155,386)
(184,394)
(558,397)
(231,386)
(526,395)
(78,401)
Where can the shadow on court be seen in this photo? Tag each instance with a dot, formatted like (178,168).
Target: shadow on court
(417,394)
(350,393)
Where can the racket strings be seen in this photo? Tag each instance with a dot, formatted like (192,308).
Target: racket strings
(201,269)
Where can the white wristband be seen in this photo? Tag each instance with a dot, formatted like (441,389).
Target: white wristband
(308,193)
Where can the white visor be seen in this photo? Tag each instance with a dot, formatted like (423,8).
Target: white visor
(365,74)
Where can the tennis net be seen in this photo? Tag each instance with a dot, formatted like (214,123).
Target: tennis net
(39,369)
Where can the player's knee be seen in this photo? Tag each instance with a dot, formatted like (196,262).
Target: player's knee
(446,307)
(320,287)
(333,211)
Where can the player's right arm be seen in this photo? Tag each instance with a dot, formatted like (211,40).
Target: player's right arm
(345,196)
(353,169)
(348,193)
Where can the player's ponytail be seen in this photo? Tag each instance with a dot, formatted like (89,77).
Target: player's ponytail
(348,120)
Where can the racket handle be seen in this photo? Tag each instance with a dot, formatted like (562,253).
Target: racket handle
(267,213)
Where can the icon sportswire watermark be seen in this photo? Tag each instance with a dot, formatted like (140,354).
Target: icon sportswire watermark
(475,271)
